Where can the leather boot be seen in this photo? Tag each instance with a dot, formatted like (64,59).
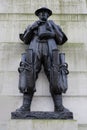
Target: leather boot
(58,106)
(26,103)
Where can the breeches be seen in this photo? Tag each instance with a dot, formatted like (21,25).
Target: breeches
(31,64)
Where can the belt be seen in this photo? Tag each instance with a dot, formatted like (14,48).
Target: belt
(41,41)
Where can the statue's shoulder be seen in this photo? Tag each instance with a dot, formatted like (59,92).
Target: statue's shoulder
(30,25)
(51,21)
(54,24)
(35,22)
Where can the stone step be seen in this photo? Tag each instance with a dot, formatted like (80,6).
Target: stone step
(42,124)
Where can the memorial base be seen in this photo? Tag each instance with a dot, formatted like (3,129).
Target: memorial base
(40,124)
(41,115)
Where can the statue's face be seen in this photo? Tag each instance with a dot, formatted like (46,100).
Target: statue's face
(43,15)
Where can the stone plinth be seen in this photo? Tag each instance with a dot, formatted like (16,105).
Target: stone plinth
(42,115)
(37,124)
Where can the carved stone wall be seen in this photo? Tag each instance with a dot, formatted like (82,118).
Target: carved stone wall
(15,15)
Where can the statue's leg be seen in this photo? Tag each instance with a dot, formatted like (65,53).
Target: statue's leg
(27,77)
(27,99)
(27,72)
(46,64)
(58,104)
(55,88)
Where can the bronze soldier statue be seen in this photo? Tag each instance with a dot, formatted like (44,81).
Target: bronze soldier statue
(43,37)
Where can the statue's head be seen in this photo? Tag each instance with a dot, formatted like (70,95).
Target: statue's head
(43,13)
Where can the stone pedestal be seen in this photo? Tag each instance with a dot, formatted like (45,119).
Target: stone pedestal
(42,115)
(37,124)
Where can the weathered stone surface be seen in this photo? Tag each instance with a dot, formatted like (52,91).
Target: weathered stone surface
(29,18)
(10,56)
(27,6)
(3,125)
(42,124)
(82,127)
